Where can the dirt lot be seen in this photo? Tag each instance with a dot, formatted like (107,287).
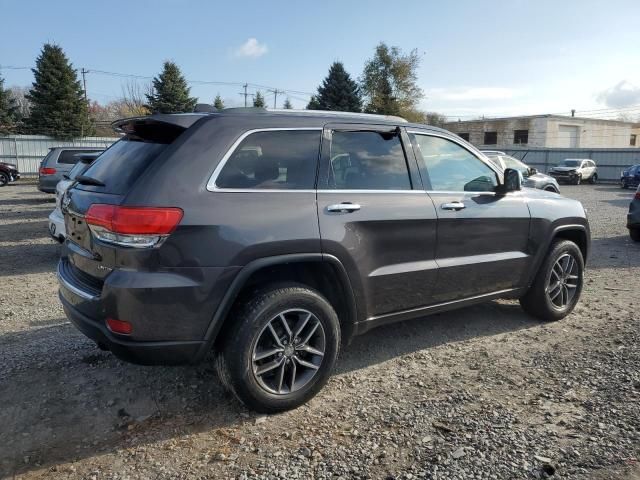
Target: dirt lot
(485,392)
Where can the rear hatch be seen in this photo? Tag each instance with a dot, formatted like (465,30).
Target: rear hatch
(107,182)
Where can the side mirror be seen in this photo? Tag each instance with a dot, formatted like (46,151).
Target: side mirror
(512,181)
(532,171)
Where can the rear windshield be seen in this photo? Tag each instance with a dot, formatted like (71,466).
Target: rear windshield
(122,163)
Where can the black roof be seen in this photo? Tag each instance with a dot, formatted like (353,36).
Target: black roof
(259,118)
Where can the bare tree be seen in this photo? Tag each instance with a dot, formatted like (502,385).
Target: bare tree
(19,96)
(134,99)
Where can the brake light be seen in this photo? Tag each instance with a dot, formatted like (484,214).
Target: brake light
(119,326)
(139,227)
(47,171)
(637,196)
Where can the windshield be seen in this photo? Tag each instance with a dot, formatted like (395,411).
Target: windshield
(122,163)
(78,169)
(570,163)
(510,162)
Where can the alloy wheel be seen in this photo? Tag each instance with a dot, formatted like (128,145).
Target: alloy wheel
(288,352)
(563,281)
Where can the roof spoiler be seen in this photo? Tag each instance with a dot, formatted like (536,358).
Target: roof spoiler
(134,124)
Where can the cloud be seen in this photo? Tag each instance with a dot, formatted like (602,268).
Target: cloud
(621,95)
(252,49)
(466,94)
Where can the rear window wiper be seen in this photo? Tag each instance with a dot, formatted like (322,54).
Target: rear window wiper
(84,180)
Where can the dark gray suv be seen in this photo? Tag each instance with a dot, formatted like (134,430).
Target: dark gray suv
(272,238)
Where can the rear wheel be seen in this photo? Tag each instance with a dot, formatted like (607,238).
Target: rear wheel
(4,179)
(558,283)
(634,233)
(280,349)
(593,179)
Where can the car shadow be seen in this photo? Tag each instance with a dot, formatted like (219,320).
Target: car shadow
(614,252)
(29,258)
(20,232)
(82,402)
(29,201)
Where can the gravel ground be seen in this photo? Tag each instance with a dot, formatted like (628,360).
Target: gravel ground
(484,392)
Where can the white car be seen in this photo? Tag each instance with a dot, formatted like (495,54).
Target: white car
(56,219)
(576,171)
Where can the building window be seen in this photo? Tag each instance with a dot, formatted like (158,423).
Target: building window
(632,141)
(521,137)
(490,138)
(464,136)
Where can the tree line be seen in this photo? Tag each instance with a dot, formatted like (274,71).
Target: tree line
(56,103)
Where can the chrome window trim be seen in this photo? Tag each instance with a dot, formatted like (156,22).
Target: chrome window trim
(480,157)
(211,184)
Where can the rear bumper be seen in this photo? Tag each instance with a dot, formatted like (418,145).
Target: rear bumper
(142,353)
(56,225)
(170,313)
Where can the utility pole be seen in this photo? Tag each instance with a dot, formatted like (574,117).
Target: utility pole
(275,92)
(84,85)
(245,94)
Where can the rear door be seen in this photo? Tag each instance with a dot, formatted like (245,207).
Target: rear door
(375,217)
(482,236)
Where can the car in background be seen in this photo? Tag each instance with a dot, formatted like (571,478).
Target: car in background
(630,177)
(56,219)
(576,171)
(531,177)
(8,173)
(56,163)
(633,217)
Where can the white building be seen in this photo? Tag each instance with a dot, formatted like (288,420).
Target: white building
(551,131)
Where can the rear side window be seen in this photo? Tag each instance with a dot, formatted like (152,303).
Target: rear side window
(368,160)
(122,163)
(69,156)
(280,159)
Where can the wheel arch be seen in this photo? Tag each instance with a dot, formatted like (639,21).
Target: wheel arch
(324,273)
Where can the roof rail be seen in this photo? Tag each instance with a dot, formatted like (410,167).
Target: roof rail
(333,113)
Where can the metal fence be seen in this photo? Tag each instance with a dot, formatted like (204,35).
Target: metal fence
(28,150)
(610,161)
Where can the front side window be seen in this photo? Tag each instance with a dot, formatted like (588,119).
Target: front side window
(280,159)
(446,166)
(368,160)
(516,164)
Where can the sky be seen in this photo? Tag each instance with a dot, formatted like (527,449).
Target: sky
(491,57)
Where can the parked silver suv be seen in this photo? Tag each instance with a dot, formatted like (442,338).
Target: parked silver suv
(56,163)
(575,170)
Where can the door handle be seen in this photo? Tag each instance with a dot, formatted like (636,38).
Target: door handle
(344,207)
(453,206)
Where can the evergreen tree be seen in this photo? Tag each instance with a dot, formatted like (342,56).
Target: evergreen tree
(389,83)
(338,91)
(218,103)
(287,104)
(258,100)
(170,92)
(313,104)
(57,100)
(8,111)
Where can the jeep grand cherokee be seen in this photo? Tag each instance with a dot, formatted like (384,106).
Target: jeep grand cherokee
(272,238)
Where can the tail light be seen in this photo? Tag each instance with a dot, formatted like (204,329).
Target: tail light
(637,195)
(137,227)
(47,171)
(119,326)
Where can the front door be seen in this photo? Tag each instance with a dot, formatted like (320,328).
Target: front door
(482,236)
(375,217)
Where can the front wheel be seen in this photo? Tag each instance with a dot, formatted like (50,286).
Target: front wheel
(556,289)
(4,179)
(593,179)
(280,349)
(634,233)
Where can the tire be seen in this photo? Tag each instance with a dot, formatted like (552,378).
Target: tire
(537,302)
(4,179)
(624,185)
(593,179)
(634,233)
(251,333)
